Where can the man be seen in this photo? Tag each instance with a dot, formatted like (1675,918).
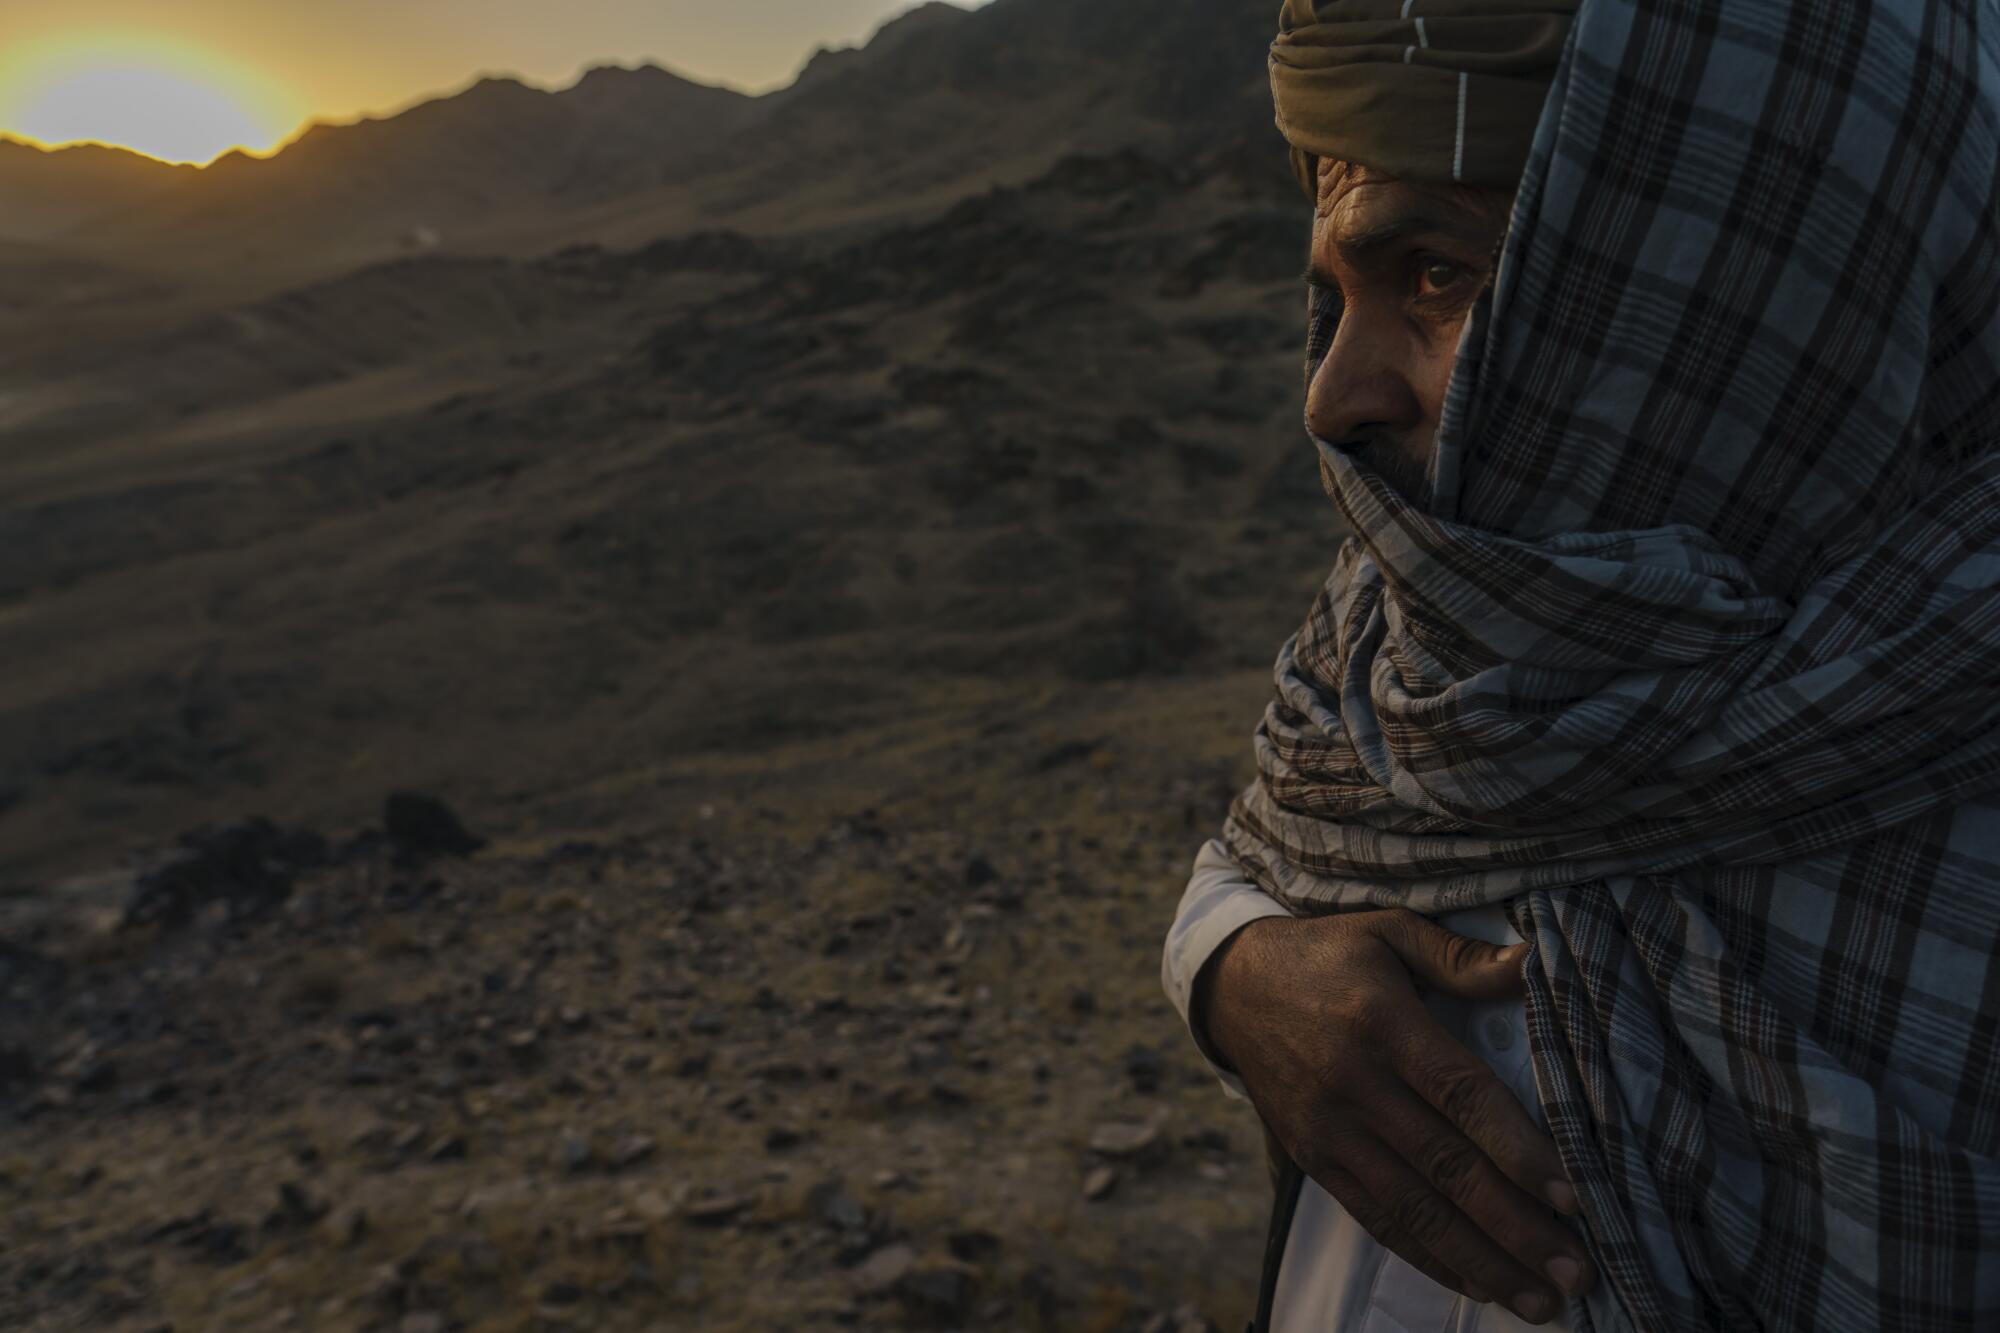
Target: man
(1666,654)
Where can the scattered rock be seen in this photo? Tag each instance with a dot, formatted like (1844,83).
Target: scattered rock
(653,1205)
(423,1321)
(93,1075)
(978,871)
(296,1207)
(832,1204)
(1124,1138)
(940,1293)
(631,1150)
(30,979)
(1100,1181)
(780,1137)
(245,866)
(217,1241)
(371,1134)
(501,1197)
(1206,1139)
(562,1291)
(973,1246)
(575,1151)
(884,1269)
(447,1148)
(925,1055)
(1145,1067)
(1066,753)
(421,827)
(366,1074)
(715,1209)
(347,1225)
(1185,1318)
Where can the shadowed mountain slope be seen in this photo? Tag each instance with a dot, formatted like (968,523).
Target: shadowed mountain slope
(590,507)
(46,195)
(941,101)
(830,548)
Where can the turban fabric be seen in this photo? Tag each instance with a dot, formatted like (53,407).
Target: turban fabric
(1426,90)
(1688,654)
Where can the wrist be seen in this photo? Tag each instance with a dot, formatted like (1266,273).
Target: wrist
(1225,988)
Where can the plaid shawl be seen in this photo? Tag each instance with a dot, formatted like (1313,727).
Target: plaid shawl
(1691,656)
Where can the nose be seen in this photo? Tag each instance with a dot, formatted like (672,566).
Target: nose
(1358,391)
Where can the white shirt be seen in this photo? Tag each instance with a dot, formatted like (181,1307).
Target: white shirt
(1335,1277)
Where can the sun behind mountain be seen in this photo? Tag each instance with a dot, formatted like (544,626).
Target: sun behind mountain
(155,95)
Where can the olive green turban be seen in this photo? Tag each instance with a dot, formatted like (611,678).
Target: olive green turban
(1437,91)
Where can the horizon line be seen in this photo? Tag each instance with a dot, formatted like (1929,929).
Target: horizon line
(446,94)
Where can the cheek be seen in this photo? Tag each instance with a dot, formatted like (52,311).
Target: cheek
(1434,364)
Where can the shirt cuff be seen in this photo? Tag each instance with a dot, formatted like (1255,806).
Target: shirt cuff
(1218,901)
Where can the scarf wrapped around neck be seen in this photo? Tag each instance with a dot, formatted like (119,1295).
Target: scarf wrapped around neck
(1690,656)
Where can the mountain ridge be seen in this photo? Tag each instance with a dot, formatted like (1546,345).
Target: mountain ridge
(938,98)
(56,167)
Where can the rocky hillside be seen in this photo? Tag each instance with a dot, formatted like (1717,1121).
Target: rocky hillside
(831,562)
(509,527)
(757,1056)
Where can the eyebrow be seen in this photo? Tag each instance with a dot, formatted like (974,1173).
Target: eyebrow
(1360,246)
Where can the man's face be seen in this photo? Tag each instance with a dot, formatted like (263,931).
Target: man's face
(1403,262)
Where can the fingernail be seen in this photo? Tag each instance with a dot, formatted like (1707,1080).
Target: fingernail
(1565,1272)
(1532,1306)
(1562,1196)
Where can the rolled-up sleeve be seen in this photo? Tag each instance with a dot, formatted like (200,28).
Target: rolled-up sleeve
(1218,902)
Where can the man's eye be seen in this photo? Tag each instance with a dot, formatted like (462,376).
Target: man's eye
(1436,276)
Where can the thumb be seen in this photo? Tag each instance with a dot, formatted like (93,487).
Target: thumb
(1455,964)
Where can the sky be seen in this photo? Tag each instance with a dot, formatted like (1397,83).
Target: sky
(189,79)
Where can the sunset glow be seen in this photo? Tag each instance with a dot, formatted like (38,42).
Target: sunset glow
(156,95)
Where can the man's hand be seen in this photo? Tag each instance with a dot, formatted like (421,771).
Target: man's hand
(1415,1136)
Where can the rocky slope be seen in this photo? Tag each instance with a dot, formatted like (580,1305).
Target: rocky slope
(560,518)
(834,572)
(761,1058)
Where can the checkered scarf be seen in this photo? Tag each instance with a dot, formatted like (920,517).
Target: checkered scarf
(1690,655)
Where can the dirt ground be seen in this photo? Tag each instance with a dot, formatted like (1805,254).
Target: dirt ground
(864,1034)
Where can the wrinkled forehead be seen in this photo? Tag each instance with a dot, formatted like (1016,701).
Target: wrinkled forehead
(1336,178)
(1355,198)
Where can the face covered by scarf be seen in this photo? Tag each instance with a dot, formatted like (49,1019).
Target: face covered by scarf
(1690,653)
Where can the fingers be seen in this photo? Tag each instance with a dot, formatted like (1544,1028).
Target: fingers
(1456,964)
(1436,1224)
(1375,1220)
(1470,1096)
(1457,1168)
